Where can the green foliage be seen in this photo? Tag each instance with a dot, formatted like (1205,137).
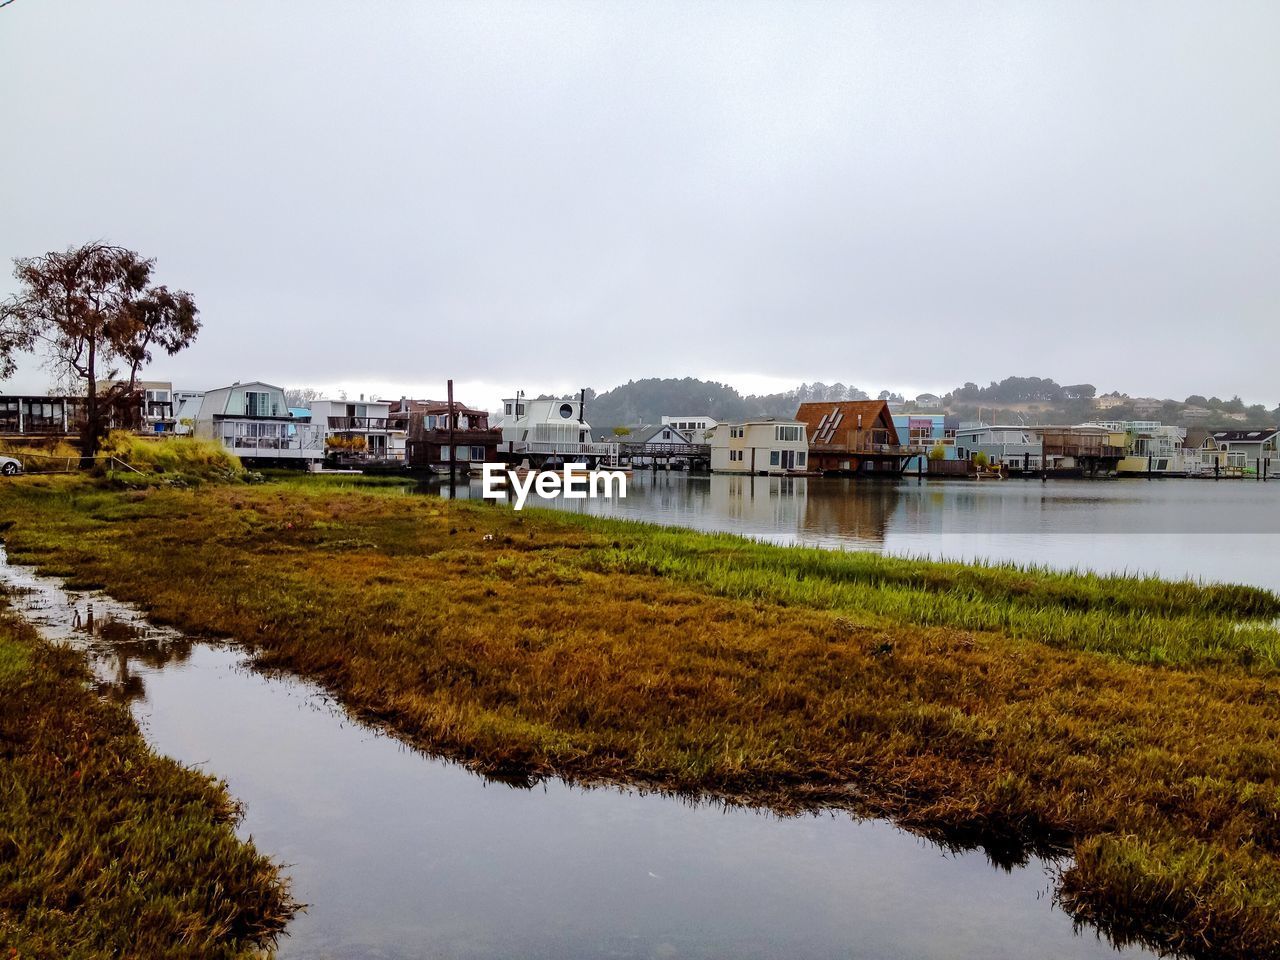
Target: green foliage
(981,459)
(183,458)
(938,452)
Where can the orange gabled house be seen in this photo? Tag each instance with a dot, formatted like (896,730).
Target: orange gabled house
(852,436)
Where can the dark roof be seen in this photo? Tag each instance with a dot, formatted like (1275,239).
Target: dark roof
(1244,436)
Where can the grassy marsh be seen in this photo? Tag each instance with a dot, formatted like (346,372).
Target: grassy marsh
(107,850)
(1133,722)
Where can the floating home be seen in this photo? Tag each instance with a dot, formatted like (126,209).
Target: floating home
(52,417)
(544,426)
(666,445)
(1243,450)
(1013,447)
(444,436)
(854,437)
(928,432)
(252,420)
(769,446)
(356,431)
(696,427)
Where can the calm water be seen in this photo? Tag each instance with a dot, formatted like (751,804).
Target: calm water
(1226,531)
(403,856)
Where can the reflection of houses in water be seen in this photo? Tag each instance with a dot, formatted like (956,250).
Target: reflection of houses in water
(116,647)
(848,510)
(765,506)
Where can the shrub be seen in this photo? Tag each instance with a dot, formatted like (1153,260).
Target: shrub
(185,457)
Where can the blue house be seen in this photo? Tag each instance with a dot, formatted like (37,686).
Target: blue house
(926,430)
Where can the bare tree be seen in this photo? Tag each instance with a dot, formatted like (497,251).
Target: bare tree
(300,396)
(90,307)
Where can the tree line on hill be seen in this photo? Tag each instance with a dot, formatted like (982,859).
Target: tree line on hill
(1014,399)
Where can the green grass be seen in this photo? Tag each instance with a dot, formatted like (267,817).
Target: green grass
(1133,722)
(185,458)
(107,850)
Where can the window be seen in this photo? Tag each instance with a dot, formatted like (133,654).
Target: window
(736,432)
(566,410)
(519,409)
(507,409)
(735,456)
(786,434)
(477,454)
(257,403)
(773,458)
(801,456)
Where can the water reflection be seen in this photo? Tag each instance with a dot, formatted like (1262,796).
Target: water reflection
(403,856)
(1174,528)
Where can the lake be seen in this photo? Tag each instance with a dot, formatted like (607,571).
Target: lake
(1225,530)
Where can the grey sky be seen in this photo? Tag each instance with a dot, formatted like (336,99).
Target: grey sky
(544,196)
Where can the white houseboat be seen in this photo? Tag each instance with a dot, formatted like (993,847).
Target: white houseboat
(252,420)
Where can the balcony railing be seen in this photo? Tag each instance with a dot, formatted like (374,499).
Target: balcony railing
(866,448)
(473,436)
(357,423)
(568,449)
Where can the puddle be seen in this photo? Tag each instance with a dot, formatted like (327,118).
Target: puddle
(400,855)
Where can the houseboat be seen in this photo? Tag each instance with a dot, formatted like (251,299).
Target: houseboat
(1242,452)
(444,437)
(768,446)
(252,420)
(355,433)
(550,431)
(1013,447)
(667,446)
(854,437)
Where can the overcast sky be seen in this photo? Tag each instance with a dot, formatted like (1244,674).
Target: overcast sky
(546,196)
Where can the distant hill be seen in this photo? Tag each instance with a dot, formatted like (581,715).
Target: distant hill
(1014,399)
(647,401)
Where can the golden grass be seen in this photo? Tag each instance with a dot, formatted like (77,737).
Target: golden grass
(107,850)
(1011,708)
(181,456)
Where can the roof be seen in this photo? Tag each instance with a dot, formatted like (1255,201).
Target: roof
(405,405)
(1244,436)
(442,406)
(653,434)
(826,420)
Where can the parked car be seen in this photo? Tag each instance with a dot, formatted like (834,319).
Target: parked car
(9,466)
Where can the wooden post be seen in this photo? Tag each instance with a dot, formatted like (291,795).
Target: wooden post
(453,450)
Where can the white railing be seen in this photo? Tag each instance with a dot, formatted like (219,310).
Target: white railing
(567,449)
(305,440)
